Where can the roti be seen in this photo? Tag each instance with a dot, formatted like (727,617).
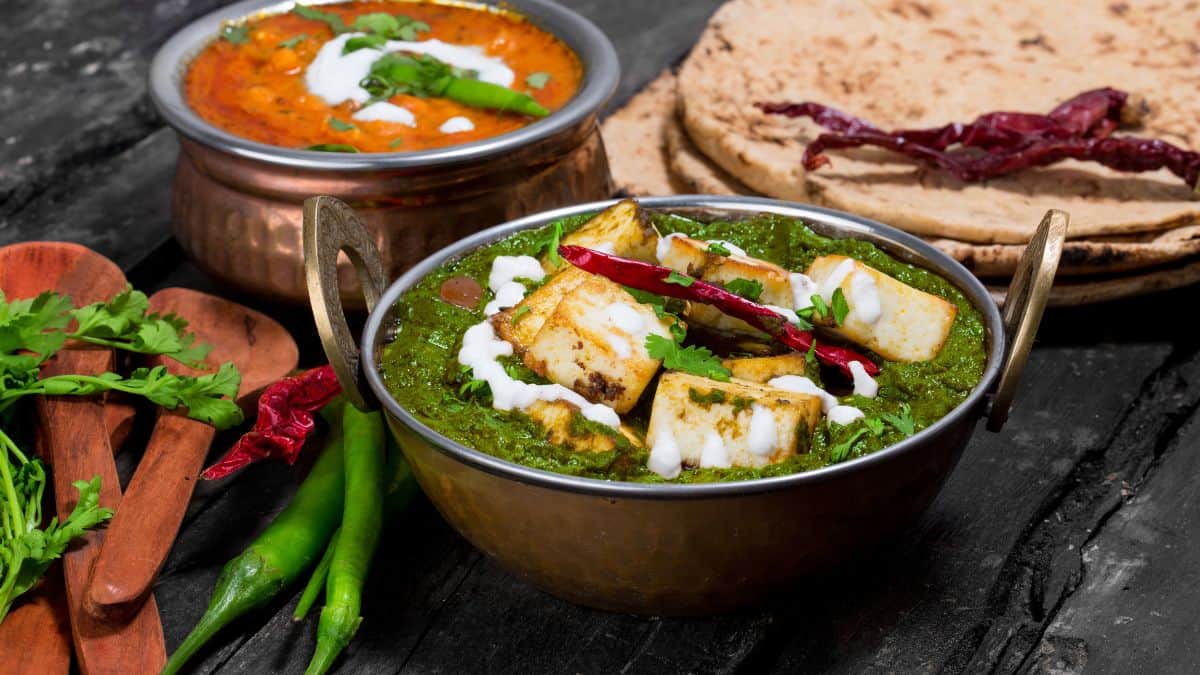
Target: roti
(899,63)
(633,139)
(692,169)
(1092,291)
(1082,257)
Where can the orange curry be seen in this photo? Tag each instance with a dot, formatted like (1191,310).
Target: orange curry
(250,82)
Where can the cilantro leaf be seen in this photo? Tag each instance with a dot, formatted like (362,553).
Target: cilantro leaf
(819,309)
(377,22)
(381,27)
(291,42)
(839,306)
(371,41)
(332,147)
(339,125)
(903,422)
(747,288)
(694,360)
(874,424)
(208,398)
(235,34)
(396,142)
(537,80)
(33,325)
(334,21)
(519,312)
(390,26)
(25,550)
(679,279)
(125,323)
(841,451)
(678,332)
(718,248)
(550,242)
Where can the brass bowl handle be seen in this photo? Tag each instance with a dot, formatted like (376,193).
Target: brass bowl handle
(1023,308)
(330,227)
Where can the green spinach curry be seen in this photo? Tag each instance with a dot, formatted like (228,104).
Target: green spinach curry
(422,368)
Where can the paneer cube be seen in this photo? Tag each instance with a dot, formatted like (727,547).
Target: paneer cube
(559,419)
(760,369)
(887,316)
(594,342)
(735,423)
(690,256)
(622,229)
(519,326)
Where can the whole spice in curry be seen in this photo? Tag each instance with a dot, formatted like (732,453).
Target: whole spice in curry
(1080,128)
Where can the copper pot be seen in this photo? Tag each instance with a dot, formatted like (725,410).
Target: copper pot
(237,204)
(677,549)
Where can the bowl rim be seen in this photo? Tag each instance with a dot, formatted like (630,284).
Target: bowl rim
(937,262)
(590,44)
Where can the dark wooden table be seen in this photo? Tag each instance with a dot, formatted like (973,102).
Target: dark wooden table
(1062,543)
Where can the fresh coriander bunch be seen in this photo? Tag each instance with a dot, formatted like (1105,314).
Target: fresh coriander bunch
(31,332)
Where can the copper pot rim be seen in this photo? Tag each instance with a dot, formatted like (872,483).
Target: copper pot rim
(823,220)
(591,45)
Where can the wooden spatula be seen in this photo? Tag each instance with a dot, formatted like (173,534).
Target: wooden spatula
(141,533)
(78,448)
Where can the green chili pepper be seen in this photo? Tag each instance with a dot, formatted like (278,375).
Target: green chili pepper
(362,517)
(480,94)
(281,553)
(316,583)
(400,492)
(425,76)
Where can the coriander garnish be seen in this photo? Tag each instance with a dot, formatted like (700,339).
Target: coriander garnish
(235,34)
(334,21)
(695,360)
(718,248)
(679,279)
(537,80)
(332,147)
(747,288)
(840,307)
(339,125)
(293,41)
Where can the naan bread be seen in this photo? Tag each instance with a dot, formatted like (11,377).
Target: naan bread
(907,63)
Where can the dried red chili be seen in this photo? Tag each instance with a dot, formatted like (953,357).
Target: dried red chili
(653,279)
(1079,128)
(285,421)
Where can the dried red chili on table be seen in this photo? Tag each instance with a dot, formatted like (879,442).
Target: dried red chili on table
(1079,128)
(653,279)
(285,420)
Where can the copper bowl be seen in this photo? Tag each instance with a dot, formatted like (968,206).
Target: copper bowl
(677,549)
(236,204)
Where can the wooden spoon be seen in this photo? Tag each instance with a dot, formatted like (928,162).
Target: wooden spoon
(119,417)
(74,433)
(142,532)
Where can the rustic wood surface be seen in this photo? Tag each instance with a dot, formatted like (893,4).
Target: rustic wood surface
(1063,544)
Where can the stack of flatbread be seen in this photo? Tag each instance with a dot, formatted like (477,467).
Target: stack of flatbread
(906,63)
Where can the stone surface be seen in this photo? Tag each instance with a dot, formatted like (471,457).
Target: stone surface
(1059,544)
